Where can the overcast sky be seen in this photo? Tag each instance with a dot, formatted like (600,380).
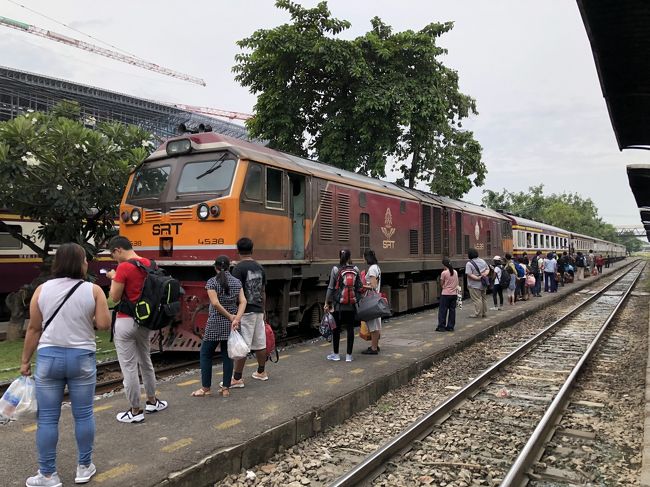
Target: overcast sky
(528,64)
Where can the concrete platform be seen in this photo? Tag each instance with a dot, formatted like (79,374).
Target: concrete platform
(198,441)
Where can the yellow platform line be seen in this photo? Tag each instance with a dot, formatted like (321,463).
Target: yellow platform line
(102,408)
(357,371)
(304,393)
(334,380)
(30,428)
(228,424)
(114,472)
(188,383)
(177,445)
(305,350)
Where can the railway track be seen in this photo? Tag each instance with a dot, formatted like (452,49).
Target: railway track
(109,376)
(508,412)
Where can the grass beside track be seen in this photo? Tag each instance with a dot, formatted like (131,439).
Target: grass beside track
(10,353)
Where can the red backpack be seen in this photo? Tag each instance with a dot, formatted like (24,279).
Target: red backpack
(348,285)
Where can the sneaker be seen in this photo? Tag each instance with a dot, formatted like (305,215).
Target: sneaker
(440,329)
(348,358)
(84,473)
(129,417)
(334,356)
(494,308)
(40,480)
(262,376)
(154,408)
(234,383)
(370,351)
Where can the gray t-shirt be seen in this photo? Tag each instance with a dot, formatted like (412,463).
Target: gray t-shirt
(470,269)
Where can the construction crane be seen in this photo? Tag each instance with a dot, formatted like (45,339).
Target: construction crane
(125,58)
(215,112)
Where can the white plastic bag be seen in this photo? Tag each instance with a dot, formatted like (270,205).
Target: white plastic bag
(237,347)
(19,401)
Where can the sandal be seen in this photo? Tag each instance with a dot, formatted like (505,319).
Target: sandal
(201,392)
(225,392)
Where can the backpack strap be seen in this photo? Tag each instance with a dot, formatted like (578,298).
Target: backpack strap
(67,296)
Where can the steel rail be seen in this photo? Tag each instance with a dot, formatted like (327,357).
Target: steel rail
(373,464)
(517,475)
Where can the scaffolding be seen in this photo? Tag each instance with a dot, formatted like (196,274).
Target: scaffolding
(21,91)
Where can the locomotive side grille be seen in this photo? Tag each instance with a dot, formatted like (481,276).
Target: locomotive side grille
(326,215)
(413,242)
(437,230)
(426,230)
(152,216)
(459,233)
(489,243)
(343,217)
(182,213)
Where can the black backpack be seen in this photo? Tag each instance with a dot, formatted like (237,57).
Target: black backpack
(534,265)
(505,277)
(159,301)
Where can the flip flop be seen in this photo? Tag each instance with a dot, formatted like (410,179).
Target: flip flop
(201,393)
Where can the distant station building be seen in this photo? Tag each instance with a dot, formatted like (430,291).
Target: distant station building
(21,91)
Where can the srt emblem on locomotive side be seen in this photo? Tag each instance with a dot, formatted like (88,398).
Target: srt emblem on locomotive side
(388,230)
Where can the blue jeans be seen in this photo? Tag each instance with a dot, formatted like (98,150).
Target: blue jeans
(56,367)
(205,359)
(447,307)
(538,284)
(550,285)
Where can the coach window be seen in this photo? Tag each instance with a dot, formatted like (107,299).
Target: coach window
(529,240)
(535,240)
(7,242)
(274,188)
(253,185)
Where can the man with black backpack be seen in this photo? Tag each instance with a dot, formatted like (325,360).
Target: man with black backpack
(131,339)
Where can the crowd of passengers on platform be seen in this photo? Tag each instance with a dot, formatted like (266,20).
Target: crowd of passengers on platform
(66,310)
(519,278)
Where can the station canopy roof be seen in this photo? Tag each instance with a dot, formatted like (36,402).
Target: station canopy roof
(620,42)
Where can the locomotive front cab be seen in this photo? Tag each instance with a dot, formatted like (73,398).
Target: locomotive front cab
(178,201)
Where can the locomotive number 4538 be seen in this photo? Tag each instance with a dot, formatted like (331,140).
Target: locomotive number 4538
(166,229)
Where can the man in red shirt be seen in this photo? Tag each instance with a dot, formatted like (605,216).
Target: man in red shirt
(131,340)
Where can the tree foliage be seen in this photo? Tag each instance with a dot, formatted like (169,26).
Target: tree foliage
(567,210)
(358,103)
(66,176)
(631,241)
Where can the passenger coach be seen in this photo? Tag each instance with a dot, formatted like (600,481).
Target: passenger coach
(197,194)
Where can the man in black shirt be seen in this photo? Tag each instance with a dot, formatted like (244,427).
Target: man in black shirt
(253,279)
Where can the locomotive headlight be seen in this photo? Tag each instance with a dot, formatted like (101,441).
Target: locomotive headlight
(136,215)
(125,216)
(215,211)
(178,147)
(203,211)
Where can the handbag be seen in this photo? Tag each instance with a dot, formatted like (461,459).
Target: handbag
(373,305)
(364,332)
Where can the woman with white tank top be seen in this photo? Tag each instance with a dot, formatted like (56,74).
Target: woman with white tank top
(63,314)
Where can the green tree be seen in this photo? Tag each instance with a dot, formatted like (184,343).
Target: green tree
(631,242)
(359,103)
(567,210)
(67,177)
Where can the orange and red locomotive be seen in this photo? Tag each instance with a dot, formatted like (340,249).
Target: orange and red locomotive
(197,194)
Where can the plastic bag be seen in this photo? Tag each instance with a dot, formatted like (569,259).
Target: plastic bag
(364,332)
(19,400)
(327,324)
(237,347)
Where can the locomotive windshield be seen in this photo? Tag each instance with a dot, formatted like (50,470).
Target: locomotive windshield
(211,176)
(149,182)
